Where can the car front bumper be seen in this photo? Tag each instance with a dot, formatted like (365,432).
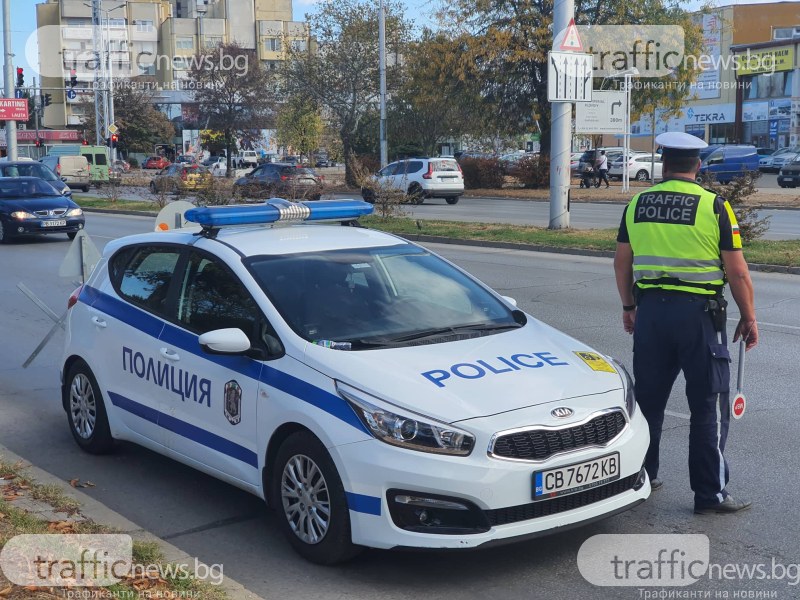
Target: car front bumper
(791,179)
(498,491)
(36,226)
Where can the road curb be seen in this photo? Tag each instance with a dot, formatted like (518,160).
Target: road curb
(103,515)
(502,245)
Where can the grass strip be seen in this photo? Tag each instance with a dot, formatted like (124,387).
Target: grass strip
(770,252)
(14,521)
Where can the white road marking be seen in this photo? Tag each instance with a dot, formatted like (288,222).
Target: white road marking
(672,413)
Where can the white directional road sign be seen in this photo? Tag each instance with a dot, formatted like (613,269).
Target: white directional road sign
(569,77)
(604,114)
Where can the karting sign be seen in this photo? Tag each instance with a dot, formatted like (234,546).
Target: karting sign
(14,109)
(569,77)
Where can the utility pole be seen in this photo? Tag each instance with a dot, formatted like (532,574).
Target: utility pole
(38,108)
(8,75)
(560,133)
(382,67)
(100,107)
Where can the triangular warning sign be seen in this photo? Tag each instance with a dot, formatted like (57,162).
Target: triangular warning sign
(572,41)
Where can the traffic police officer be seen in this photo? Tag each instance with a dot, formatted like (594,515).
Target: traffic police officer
(678,244)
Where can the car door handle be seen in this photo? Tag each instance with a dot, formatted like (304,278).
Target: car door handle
(169,354)
(99,322)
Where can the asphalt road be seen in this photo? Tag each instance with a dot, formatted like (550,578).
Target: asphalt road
(222,525)
(784,224)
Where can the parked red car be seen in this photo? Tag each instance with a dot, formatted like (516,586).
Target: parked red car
(156,162)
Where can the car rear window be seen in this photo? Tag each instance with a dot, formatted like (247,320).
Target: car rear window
(445,165)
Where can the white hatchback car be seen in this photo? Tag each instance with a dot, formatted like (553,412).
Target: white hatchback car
(639,167)
(372,392)
(420,178)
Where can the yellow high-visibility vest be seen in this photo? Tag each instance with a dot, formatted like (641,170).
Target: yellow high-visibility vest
(674,234)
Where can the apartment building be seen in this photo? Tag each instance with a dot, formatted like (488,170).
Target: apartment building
(150,41)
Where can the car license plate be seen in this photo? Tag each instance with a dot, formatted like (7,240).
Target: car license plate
(59,223)
(575,478)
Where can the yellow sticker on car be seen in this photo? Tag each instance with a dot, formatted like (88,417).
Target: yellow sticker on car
(595,361)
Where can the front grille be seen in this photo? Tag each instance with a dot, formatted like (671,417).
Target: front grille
(542,443)
(545,508)
(57,212)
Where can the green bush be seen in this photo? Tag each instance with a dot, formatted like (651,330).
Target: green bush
(482,173)
(533,171)
(736,193)
(133,162)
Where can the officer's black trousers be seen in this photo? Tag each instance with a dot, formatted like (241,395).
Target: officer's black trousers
(673,333)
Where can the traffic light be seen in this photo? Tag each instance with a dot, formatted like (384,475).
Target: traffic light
(20,77)
(38,143)
(114,138)
(47,99)
(73,78)
(84,142)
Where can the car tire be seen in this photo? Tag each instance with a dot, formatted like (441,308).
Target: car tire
(368,195)
(453,200)
(71,235)
(782,185)
(86,412)
(85,188)
(642,175)
(415,194)
(319,541)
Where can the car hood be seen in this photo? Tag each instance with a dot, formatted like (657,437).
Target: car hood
(464,379)
(43,203)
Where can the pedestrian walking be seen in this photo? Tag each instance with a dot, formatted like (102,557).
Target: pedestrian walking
(677,247)
(601,165)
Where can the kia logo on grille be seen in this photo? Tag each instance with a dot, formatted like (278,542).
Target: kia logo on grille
(562,412)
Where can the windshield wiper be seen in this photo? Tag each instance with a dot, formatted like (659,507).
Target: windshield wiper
(439,331)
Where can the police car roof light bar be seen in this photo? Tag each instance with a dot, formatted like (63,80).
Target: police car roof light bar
(278,210)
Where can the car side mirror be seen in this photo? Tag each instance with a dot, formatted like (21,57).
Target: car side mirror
(64,179)
(224,341)
(715,161)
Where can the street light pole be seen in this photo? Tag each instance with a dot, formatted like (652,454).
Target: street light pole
(382,67)
(100,114)
(8,75)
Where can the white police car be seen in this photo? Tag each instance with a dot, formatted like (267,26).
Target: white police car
(369,390)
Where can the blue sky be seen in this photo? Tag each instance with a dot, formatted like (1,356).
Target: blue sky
(23,21)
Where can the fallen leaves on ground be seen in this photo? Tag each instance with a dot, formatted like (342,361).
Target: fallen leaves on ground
(77,483)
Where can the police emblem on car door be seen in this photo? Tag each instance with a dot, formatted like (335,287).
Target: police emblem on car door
(233,402)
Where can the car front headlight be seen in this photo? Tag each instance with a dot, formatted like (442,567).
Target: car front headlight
(74,212)
(406,430)
(627,387)
(21,214)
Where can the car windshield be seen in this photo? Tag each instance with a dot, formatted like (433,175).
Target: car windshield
(28,170)
(379,297)
(23,189)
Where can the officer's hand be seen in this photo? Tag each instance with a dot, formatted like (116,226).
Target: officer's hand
(747,330)
(628,320)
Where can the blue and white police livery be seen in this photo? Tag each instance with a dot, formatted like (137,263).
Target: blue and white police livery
(372,392)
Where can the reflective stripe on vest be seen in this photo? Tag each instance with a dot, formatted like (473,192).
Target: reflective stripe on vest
(674,234)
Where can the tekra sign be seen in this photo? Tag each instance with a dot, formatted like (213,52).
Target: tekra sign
(569,77)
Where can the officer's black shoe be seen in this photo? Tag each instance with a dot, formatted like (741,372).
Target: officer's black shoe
(655,484)
(727,506)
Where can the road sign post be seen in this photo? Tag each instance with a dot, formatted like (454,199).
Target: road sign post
(569,79)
